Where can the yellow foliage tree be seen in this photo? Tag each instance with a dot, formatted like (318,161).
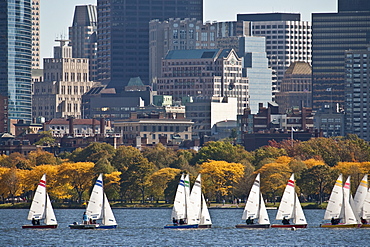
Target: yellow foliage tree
(79,176)
(274,176)
(220,177)
(353,169)
(159,181)
(11,182)
(313,162)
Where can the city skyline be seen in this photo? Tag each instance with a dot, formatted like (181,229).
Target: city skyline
(54,24)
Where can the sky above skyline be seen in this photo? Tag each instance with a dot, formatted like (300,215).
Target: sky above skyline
(56,15)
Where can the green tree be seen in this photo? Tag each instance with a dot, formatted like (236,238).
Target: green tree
(160,156)
(92,153)
(46,139)
(265,155)
(222,151)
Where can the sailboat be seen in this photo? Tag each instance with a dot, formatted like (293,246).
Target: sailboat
(41,208)
(181,206)
(98,208)
(339,206)
(255,208)
(290,208)
(198,211)
(365,213)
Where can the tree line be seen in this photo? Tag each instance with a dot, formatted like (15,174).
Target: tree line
(152,174)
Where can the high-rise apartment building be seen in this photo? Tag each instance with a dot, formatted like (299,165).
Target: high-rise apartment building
(332,35)
(36,61)
(123,35)
(357,93)
(83,37)
(65,80)
(204,73)
(15,63)
(288,39)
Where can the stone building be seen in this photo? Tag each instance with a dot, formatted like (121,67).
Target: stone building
(296,87)
(206,73)
(65,80)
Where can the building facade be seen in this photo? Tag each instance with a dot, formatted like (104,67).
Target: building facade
(36,60)
(83,37)
(65,80)
(16,62)
(123,35)
(205,73)
(288,39)
(357,93)
(257,70)
(189,34)
(296,87)
(332,35)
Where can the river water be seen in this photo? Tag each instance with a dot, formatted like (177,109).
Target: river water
(144,227)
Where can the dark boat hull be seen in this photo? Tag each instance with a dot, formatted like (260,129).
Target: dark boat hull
(289,226)
(204,226)
(83,226)
(185,226)
(39,226)
(253,226)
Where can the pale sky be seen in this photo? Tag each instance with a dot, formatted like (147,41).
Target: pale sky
(57,15)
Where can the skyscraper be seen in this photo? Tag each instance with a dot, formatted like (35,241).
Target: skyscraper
(83,38)
(123,35)
(36,34)
(15,62)
(332,35)
(288,39)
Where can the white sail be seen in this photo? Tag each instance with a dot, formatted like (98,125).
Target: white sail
(179,204)
(50,218)
(187,195)
(252,206)
(360,196)
(94,207)
(348,214)
(263,217)
(205,218)
(299,217)
(37,209)
(334,206)
(366,206)
(108,219)
(195,202)
(286,207)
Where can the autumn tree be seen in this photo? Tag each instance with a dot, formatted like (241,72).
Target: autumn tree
(159,181)
(159,155)
(79,176)
(220,177)
(92,153)
(274,177)
(41,157)
(317,180)
(265,155)
(353,169)
(11,182)
(16,160)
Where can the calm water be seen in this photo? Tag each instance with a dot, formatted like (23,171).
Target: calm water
(144,227)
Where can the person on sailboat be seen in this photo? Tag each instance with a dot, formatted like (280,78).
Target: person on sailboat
(85,218)
(335,221)
(249,221)
(363,221)
(285,221)
(175,221)
(182,221)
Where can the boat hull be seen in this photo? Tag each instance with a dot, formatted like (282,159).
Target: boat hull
(365,226)
(340,225)
(204,226)
(106,227)
(185,226)
(39,226)
(83,226)
(289,226)
(253,226)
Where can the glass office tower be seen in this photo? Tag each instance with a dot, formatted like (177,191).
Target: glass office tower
(123,35)
(332,35)
(15,62)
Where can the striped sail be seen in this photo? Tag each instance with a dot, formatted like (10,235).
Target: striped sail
(95,205)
